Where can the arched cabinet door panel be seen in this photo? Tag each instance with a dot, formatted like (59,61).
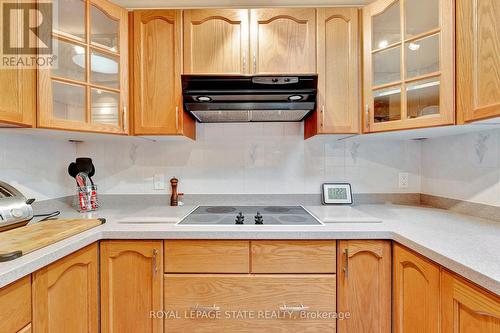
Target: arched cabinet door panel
(131,286)
(216,41)
(415,292)
(65,294)
(364,285)
(283,40)
(466,308)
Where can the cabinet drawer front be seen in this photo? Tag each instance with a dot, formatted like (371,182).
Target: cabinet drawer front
(201,256)
(246,303)
(15,305)
(293,256)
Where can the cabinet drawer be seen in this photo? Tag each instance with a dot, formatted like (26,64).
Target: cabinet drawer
(246,303)
(293,256)
(15,306)
(201,256)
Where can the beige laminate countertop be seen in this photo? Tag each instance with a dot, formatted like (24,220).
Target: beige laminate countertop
(466,245)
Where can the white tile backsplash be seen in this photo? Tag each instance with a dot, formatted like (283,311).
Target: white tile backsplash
(36,166)
(269,158)
(464,167)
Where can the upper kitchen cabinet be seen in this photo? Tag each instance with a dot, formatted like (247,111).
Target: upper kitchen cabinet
(478,60)
(156,74)
(87,88)
(17,90)
(216,41)
(408,64)
(283,40)
(338,61)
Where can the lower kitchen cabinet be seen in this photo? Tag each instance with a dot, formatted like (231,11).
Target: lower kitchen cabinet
(131,286)
(364,285)
(249,303)
(65,294)
(15,306)
(467,309)
(415,293)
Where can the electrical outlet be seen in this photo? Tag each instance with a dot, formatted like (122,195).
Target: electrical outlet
(159,182)
(404,179)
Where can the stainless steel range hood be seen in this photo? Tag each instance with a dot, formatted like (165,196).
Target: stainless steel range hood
(223,99)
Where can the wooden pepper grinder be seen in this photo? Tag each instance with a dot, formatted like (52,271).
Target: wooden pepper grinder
(174,198)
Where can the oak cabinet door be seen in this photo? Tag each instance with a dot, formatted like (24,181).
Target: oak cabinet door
(131,286)
(408,64)
(156,53)
(263,297)
(415,293)
(478,60)
(467,309)
(364,286)
(17,89)
(283,40)
(216,41)
(87,88)
(65,294)
(338,73)
(15,305)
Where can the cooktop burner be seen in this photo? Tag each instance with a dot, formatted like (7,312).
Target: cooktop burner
(250,215)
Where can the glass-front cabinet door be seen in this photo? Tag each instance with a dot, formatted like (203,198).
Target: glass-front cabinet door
(408,64)
(86,88)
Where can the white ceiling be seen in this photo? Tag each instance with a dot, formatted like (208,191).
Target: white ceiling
(235,3)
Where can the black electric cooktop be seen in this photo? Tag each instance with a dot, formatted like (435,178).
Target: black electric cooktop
(250,215)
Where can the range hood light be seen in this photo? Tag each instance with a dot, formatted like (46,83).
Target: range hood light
(295,98)
(203,99)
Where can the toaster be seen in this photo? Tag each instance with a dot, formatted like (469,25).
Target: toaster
(15,209)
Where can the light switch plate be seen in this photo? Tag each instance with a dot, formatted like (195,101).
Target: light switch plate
(159,182)
(404,179)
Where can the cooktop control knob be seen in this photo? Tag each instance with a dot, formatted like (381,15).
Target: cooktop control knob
(240,218)
(259,219)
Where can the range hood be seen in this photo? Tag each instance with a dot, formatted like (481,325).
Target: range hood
(243,98)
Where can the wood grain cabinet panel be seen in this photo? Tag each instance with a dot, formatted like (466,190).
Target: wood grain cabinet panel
(156,85)
(15,306)
(17,90)
(26,329)
(364,285)
(478,60)
(131,286)
(228,296)
(293,256)
(339,80)
(466,308)
(416,291)
(65,294)
(206,256)
(216,41)
(283,40)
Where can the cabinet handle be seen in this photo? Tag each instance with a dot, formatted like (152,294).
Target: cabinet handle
(176,118)
(124,117)
(254,63)
(367,116)
(155,264)
(346,267)
(206,309)
(300,308)
(323,116)
(244,62)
